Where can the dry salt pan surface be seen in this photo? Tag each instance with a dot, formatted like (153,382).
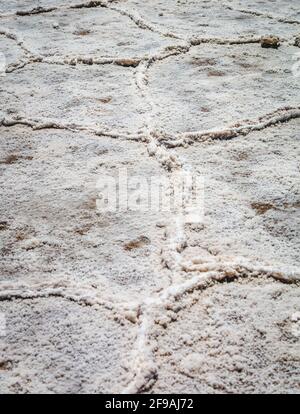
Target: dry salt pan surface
(94,301)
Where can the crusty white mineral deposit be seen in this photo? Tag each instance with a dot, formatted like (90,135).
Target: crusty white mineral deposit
(96,300)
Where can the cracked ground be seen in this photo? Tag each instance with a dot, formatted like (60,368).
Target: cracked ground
(126,301)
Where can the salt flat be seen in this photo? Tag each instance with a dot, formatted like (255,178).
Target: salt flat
(96,300)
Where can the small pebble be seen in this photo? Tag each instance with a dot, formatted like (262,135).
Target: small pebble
(270,42)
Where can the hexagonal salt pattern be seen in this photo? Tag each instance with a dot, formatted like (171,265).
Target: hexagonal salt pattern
(101,288)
